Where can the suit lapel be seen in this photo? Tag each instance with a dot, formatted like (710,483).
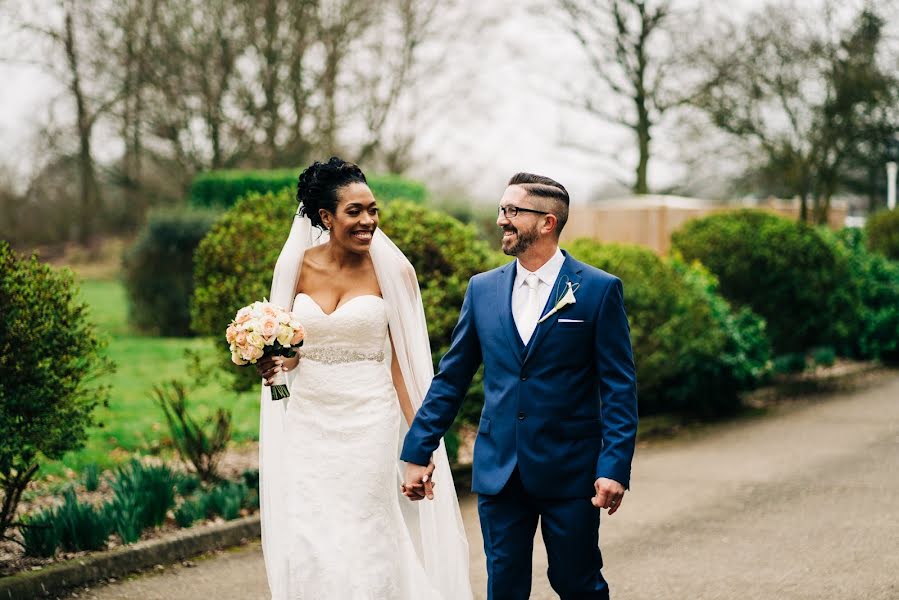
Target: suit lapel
(504,285)
(570,272)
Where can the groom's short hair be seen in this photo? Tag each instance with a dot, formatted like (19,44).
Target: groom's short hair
(544,187)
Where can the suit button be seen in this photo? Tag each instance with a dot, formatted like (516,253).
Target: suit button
(524,377)
(521,416)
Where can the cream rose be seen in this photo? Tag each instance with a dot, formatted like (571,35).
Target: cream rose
(268,329)
(253,353)
(255,340)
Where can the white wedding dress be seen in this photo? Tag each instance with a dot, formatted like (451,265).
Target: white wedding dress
(346,536)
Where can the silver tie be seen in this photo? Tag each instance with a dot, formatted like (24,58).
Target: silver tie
(531,309)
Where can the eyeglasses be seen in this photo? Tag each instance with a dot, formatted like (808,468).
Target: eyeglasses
(510,212)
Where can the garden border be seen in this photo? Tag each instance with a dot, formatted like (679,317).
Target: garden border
(55,579)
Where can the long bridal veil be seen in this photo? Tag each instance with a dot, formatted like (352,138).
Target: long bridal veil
(435,526)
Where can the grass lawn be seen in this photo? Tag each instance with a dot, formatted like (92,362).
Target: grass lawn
(132,422)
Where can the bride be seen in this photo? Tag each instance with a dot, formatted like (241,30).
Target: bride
(334,522)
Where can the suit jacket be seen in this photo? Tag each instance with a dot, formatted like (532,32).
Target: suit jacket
(563,408)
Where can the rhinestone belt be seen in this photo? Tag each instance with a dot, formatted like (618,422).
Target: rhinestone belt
(333,356)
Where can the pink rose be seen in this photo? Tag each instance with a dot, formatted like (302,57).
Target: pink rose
(240,338)
(231,333)
(298,335)
(268,328)
(252,353)
(243,315)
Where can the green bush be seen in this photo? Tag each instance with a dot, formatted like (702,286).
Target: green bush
(824,356)
(80,525)
(693,353)
(125,512)
(882,229)
(159,269)
(234,265)
(90,476)
(152,485)
(791,362)
(874,322)
(226,499)
(190,511)
(785,271)
(222,189)
(40,536)
(50,360)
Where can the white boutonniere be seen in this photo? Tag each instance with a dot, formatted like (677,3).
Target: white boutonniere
(566,299)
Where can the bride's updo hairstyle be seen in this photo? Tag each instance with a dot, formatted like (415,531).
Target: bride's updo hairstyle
(318,185)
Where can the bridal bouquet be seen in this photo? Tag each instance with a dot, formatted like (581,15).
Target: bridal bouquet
(263,329)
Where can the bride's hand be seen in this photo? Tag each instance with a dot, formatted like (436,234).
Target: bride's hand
(268,366)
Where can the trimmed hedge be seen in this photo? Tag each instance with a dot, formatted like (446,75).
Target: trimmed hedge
(882,230)
(785,271)
(222,189)
(159,268)
(693,353)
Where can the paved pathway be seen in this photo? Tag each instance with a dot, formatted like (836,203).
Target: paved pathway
(800,505)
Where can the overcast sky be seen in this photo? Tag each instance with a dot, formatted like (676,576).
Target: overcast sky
(508,121)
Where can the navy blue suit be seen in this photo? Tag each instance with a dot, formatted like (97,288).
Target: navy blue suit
(558,413)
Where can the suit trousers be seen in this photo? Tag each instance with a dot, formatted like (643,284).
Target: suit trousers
(570,528)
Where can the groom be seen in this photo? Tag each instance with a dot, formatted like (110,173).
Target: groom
(557,431)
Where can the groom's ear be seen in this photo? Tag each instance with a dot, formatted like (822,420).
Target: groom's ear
(552,224)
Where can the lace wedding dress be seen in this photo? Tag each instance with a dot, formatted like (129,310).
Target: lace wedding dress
(346,537)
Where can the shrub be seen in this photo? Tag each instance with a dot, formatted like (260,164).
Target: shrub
(189,512)
(791,362)
(785,271)
(39,534)
(51,359)
(222,189)
(153,487)
(693,353)
(882,229)
(234,265)
(202,445)
(226,499)
(186,483)
(824,356)
(125,512)
(873,324)
(159,271)
(91,477)
(80,525)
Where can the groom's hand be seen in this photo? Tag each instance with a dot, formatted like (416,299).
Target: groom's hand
(417,482)
(609,494)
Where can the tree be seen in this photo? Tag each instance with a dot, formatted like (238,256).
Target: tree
(806,97)
(50,359)
(632,61)
(70,58)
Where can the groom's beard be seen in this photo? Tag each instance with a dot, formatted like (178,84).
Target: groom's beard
(519,241)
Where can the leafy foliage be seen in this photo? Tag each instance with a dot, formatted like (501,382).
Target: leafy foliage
(152,485)
(50,358)
(873,322)
(222,189)
(40,536)
(882,229)
(80,525)
(786,272)
(159,271)
(200,444)
(693,353)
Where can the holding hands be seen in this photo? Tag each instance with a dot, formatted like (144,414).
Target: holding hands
(609,494)
(418,483)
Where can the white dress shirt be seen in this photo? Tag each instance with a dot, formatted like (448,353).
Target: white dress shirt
(547,275)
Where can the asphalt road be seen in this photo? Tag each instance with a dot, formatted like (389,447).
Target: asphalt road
(801,504)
